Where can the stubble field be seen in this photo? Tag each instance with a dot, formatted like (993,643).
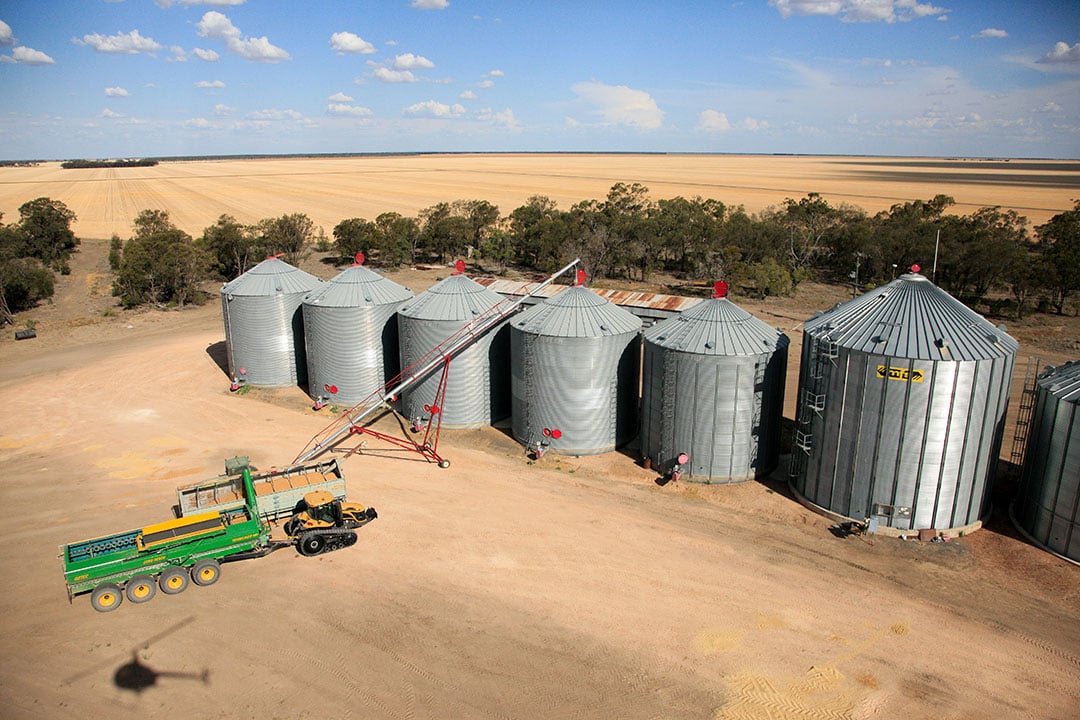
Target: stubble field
(497,588)
(331,189)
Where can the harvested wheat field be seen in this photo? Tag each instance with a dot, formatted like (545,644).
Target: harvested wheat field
(496,588)
(331,189)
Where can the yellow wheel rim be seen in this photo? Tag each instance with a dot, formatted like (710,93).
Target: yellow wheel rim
(141,590)
(207,574)
(174,582)
(107,599)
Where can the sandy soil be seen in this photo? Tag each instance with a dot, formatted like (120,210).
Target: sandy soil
(329,190)
(497,588)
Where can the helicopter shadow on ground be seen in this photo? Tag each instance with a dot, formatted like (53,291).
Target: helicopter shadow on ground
(219,353)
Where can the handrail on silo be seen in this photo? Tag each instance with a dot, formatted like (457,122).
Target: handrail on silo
(418,371)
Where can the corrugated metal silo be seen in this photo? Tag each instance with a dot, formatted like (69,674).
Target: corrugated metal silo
(901,408)
(1048,506)
(264,326)
(574,361)
(713,388)
(351,335)
(477,384)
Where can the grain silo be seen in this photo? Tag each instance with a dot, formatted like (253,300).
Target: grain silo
(264,326)
(901,408)
(351,335)
(477,390)
(1048,506)
(713,389)
(574,364)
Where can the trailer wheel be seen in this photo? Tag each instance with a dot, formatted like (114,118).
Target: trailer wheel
(140,589)
(206,572)
(311,545)
(444,463)
(173,580)
(106,597)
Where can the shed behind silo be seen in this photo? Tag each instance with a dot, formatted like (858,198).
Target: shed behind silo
(713,388)
(264,326)
(1047,508)
(575,368)
(351,335)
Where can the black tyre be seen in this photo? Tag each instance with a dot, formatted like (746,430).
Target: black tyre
(311,545)
(348,540)
(106,597)
(206,572)
(444,463)
(140,589)
(173,580)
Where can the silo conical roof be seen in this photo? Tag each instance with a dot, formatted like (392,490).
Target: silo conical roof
(716,326)
(272,276)
(456,298)
(1063,382)
(912,318)
(577,312)
(358,287)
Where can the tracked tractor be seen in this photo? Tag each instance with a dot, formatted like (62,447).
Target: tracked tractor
(322,523)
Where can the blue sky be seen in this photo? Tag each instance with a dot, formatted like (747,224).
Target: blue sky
(128,78)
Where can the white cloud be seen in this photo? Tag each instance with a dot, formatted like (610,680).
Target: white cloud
(990,33)
(435,109)
(275,114)
(197,123)
(713,121)
(889,11)
(346,110)
(27,56)
(430,4)
(7,39)
(392,76)
(115,92)
(179,54)
(216,26)
(1062,53)
(107,113)
(485,83)
(130,43)
(468,95)
(206,55)
(504,118)
(621,105)
(210,84)
(1050,107)
(222,110)
(340,97)
(408,61)
(496,73)
(347,42)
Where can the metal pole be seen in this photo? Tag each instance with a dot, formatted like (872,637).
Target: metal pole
(937,241)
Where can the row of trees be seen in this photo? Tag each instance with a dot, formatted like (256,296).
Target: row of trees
(627,235)
(31,250)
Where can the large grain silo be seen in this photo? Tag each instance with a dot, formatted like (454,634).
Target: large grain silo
(574,363)
(351,335)
(477,391)
(713,388)
(264,326)
(1048,506)
(901,408)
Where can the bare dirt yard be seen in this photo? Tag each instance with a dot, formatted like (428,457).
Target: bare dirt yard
(496,588)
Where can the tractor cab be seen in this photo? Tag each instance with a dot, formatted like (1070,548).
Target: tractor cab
(320,510)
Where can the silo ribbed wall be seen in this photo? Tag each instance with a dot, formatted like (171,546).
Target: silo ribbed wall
(722,411)
(265,337)
(477,391)
(929,446)
(352,349)
(1048,505)
(585,387)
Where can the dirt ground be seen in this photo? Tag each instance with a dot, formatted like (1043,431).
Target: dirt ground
(497,588)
